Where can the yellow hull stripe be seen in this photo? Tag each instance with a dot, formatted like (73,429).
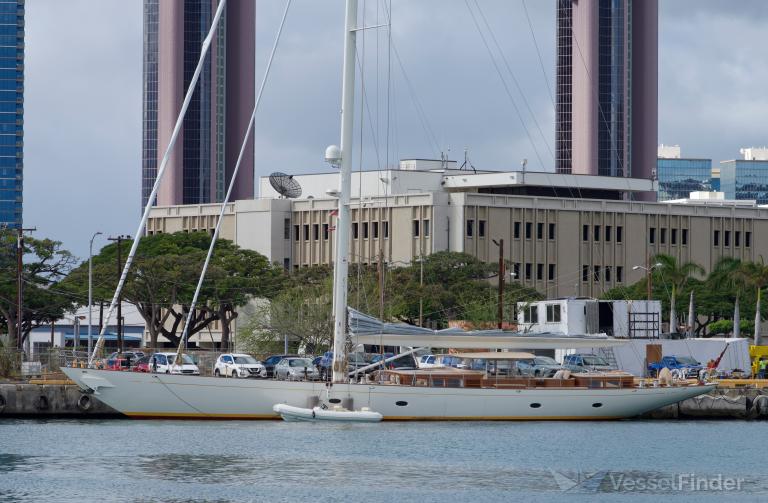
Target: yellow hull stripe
(185,415)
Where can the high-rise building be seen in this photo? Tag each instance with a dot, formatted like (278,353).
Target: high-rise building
(607,87)
(11,111)
(746,178)
(679,176)
(200,168)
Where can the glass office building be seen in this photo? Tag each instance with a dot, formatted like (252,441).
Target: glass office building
(741,179)
(11,111)
(679,177)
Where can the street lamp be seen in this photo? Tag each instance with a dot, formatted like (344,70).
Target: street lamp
(76,332)
(649,276)
(90,292)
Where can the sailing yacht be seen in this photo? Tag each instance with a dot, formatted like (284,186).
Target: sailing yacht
(413,395)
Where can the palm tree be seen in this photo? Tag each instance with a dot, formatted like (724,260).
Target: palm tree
(757,277)
(731,273)
(677,275)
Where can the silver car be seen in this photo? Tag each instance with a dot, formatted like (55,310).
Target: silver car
(296,369)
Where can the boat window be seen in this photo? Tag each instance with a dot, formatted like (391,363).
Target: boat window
(245,359)
(400,403)
(535,405)
(596,405)
(334,400)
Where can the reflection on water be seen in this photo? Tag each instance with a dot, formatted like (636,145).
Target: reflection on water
(145,461)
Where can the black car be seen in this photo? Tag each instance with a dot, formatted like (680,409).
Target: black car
(269,363)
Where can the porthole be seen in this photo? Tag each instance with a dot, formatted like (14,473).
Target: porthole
(597,404)
(335,400)
(535,405)
(401,403)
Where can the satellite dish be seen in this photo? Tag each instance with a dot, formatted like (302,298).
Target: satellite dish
(285,185)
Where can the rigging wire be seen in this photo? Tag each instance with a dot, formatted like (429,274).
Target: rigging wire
(538,53)
(504,82)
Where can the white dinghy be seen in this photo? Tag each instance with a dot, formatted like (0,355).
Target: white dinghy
(291,413)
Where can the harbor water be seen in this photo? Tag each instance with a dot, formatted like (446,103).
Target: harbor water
(272,461)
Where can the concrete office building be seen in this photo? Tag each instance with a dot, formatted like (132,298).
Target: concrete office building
(563,234)
(746,179)
(679,176)
(201,165)
(11,112)
(607,88)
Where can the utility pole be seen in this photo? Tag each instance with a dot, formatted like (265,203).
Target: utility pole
(649,282)
(119,239)
(500,244)
(20,284)
(421,291)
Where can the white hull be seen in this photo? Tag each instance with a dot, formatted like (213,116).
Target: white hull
(143,395)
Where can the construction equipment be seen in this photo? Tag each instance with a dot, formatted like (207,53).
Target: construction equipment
(757,353)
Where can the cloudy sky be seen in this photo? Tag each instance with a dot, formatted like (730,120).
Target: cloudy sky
(83,93)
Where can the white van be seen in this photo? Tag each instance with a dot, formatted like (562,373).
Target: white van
(163,363)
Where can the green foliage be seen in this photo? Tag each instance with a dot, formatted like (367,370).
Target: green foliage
(164,276)
(45,264)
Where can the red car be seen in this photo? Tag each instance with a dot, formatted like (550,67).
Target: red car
(142,365)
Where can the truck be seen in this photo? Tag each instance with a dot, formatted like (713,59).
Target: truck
(689,366)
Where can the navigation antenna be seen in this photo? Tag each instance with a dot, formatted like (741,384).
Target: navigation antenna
(285,185)
(467,164)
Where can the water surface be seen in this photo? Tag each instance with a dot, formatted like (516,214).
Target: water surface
(233,461)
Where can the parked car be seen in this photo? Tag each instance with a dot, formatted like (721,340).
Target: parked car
(142,365)
(270,362)
(163,363)
(296,369)
(689,366)
(452,361)
(428,362)
(540,366)
(238,365)
(586,363)
(129,360)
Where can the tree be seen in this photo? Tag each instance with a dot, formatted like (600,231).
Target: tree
(677,275)
(45,263)
(757,278)
(164,275)
(731,274)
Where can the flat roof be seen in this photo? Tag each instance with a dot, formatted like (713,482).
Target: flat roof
(546,179)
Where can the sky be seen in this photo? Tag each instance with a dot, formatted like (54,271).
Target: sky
(83,63)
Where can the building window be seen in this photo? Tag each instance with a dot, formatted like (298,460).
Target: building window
(470,228)
(528,230)
(597,233)
(315,231)
(517,230)
(531,314)
(553,313)
(516,270)
(354,230)
(287,228)
(727,238)
(416,228)
(551,231)
(425,224)
(619,274)
(596,275)
(619,234)
(528,271)
(539,231)
(652,235)
(663,236)
(306,232)
(608,233)
(585,233)
(716,238)
(287,264)
(585,273)
(296,232)
(684,237)
(747,239)
(365,230)
(551,275)
(737,238)
(375,230)
(325,231)
(385,228)
(481,228)
(539,272)
(607,274)
(674,236)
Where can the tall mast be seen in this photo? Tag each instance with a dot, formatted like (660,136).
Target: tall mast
(341,265)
